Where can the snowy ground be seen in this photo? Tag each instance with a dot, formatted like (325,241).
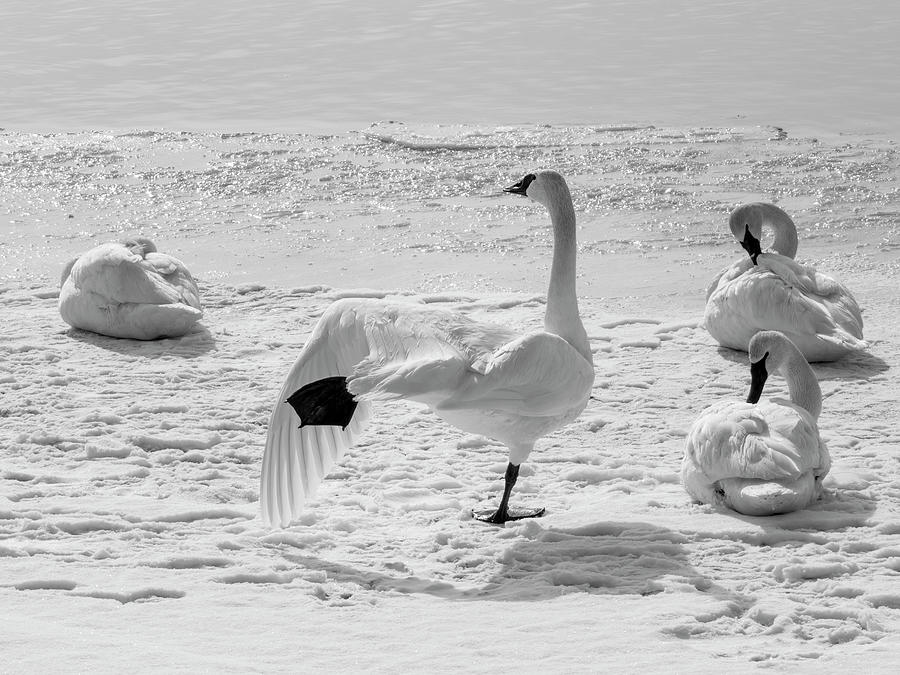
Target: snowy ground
(129,528)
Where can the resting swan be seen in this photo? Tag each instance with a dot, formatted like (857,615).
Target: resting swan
(484,379)
(761,458)
(129,290)
(770,291)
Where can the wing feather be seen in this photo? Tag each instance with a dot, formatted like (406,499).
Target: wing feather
(296,460)
(824,301)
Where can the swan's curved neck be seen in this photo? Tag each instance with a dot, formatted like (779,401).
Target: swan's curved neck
(562,317)
(784,229)
(803,384)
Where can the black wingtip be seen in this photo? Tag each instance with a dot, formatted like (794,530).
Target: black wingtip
(325,402)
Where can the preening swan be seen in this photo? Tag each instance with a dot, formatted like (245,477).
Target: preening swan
(129,290)
(482,378)
(761,458)
(770,291)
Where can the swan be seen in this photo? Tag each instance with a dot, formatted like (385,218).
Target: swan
(129,290)
(770,291)
(761,458)
(482,378)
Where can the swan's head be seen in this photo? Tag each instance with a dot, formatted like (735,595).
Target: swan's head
(67,270)
(768,351)
(545,187)
(746,224)
(139,245)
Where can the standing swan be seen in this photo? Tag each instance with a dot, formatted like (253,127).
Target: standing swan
(482,378)
(129,290)
(770,291)
(761,458)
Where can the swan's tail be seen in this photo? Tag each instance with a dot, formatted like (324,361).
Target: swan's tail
(841,338)
(754,497)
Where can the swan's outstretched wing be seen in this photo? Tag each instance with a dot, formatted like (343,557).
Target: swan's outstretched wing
(385,350)
(296,460)
(774,440)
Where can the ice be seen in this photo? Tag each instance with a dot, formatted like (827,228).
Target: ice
(129,472)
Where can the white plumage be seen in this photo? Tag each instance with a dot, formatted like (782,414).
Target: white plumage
(482,378)
(819,315)
(129,290)
(761,458)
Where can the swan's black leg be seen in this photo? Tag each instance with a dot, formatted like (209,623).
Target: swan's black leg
(503,514)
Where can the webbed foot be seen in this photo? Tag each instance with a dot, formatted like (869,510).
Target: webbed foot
(498,517)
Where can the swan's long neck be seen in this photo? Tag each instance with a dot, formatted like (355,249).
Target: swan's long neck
(784,229)
(562,317)
(803,384)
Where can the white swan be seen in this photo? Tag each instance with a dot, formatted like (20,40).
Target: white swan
(761,458)
(129,290)
(482,378)
(770,291)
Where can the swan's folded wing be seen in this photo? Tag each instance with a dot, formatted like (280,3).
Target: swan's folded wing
(728,274)
(729,441)
(813,302)
(537,375)
(740,440)
(802,277)
(772,296)
(113,272)
(174,274)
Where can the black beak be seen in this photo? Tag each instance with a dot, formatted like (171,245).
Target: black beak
(751,244)
(758,376)
(520,188)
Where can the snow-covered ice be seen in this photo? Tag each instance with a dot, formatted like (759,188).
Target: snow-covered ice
(130,535)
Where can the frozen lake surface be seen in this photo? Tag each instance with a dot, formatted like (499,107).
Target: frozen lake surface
(322,64)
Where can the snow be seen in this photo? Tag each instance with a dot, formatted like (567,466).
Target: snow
(130,536)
